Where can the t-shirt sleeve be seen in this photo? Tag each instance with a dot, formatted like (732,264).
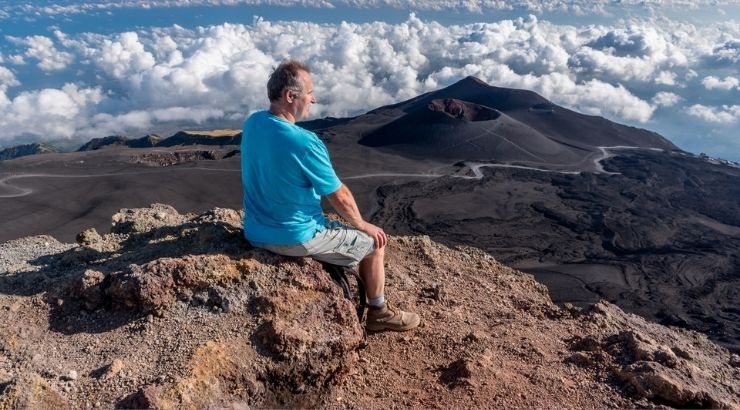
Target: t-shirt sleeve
(317,168)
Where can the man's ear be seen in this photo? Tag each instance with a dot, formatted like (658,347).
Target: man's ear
(289,96)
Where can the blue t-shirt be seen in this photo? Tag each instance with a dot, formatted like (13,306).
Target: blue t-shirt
(285,171)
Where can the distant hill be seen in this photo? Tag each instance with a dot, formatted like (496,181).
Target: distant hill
(146,141)
(320,123)
(25,150)
(472,120)
(216,137)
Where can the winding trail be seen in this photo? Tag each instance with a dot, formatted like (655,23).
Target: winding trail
(475,167)
(363,176)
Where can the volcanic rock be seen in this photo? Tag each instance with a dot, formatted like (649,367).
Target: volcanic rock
(155,293)
(168,158)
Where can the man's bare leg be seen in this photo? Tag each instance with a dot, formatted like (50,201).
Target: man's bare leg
(372,272)
(382,315)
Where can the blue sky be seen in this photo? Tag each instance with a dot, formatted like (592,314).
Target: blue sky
(72,70)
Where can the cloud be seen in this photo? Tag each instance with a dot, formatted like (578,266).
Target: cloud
(58,113)
(728,83)
(666,78)
(578,7)
(42,49)
(160,75)
(124,56)
(725,114)
(724,55)
(665,99)
(7,79)
(16,59)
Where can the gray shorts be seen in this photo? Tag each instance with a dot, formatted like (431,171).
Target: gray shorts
(337,244)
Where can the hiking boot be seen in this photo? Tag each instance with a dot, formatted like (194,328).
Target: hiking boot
(388,317)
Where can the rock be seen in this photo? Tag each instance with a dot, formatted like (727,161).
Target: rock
(135,220)
(225,216)
(319,354)
(89,238)
(31,391)
(652,381)
(159,284)
(476,336)
(113,369)
(90,289)
(70,375)
(641,348)
(5,377)
(435,292)
(214,368)
(735,360)
(288,337)
(457,373)
(681,370)
(144,398)
(581,359)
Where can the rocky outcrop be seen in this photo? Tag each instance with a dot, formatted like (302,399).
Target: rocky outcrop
(168,158)
(178,311)
(666,366)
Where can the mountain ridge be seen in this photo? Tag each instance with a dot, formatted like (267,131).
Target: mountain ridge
(561,125)
(26,150)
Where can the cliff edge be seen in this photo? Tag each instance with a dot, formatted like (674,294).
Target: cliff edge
(178,311)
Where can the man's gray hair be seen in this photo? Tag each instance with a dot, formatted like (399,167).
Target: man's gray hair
(285,77)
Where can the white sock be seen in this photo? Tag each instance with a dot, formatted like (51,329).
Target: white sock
(377,302)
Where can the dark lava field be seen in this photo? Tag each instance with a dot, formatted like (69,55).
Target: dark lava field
(660,237)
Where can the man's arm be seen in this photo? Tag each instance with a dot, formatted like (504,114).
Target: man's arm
(344,203)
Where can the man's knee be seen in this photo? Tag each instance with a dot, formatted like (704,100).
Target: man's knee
(376,253)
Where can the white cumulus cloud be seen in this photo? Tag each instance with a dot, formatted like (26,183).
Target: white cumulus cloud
(58,113)
(728,83)
(42,49)
(665,99)
(578,7)
(725,114)
(7,79)
(219,72)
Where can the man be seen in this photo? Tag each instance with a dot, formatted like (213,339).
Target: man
(285,172)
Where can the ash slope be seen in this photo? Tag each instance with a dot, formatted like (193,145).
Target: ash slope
(471,120)
(176,311)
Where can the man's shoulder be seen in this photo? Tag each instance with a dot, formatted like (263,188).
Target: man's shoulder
(263,120)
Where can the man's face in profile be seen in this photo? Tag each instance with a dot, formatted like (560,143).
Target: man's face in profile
(302,100)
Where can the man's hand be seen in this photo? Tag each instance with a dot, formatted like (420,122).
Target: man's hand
(376,233)
(344,203)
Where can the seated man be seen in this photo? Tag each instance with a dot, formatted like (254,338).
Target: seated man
(285,171)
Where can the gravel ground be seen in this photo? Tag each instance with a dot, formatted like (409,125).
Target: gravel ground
(19,254)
